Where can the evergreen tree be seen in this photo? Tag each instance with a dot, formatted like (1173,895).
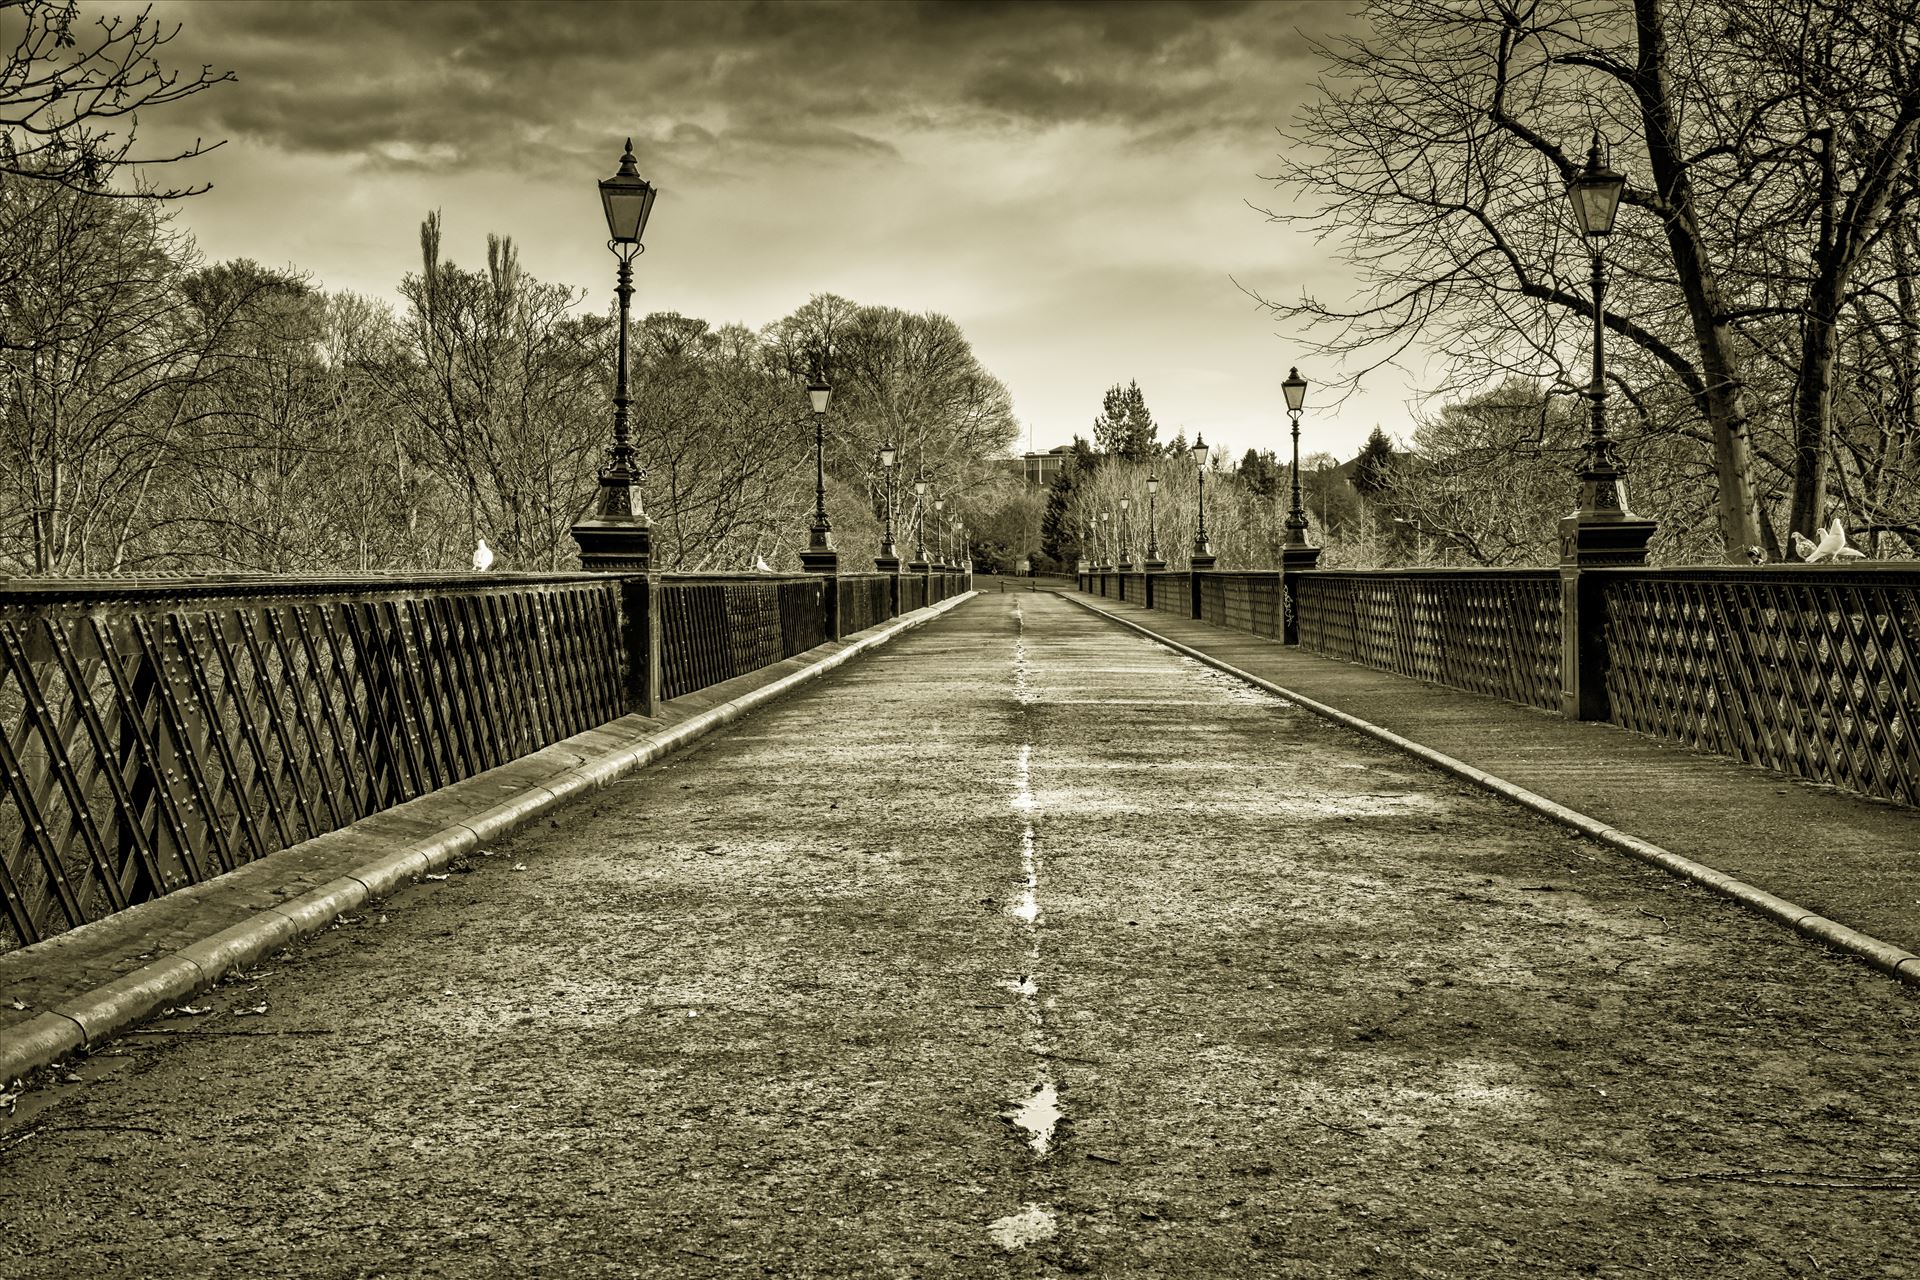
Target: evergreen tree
(1262,473)
(1125,428)
(1059,540)
(1376,462)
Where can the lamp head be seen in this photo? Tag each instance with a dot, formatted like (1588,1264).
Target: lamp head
(1199,450)
(1595,192)
(628,200)
(819,392)
(1153,484)
(886,455)
(1295,389)
(1125,503)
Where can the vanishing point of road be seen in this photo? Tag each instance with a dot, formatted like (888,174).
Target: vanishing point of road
(1020,947)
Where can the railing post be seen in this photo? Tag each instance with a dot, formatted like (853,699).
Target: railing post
(1193,586)
(1588,544)
(640,638)
(1293,560)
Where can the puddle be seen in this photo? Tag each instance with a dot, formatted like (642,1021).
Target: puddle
(1019,1230)
(1027,908)
(1038,1114)
(1025,987)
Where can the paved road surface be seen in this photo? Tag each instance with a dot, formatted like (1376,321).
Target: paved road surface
(805,1001)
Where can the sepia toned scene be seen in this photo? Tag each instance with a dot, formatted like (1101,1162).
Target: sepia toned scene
(936,638)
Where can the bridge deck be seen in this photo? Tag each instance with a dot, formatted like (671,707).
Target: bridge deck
(800,999)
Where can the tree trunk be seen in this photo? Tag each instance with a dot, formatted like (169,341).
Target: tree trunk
(1724,393)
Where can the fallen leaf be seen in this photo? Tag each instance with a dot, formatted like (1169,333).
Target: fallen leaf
(519,866)
(432,877)
(185,1011)
(71,1078)
(17,1004)
(253,1012)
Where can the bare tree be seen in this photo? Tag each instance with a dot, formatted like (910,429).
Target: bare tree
(71,94)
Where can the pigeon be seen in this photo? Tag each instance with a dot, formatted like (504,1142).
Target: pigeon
(1838,536)
(482,557)
(760,565)
(1805,549)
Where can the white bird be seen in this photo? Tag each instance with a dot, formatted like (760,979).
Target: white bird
(1831,540)
(482,557)
(1841,551)
(760,565)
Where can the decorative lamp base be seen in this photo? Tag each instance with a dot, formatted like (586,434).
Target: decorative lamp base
(1204,560)
(887,564)
(614,544)
(1152,566)
(818,560)
(1593,543)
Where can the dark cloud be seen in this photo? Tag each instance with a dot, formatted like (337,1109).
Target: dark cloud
(709,87)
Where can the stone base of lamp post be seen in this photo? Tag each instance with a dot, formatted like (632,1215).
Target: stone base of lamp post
(887,564)
(614,544)
(1152,566)
(1591,544)
(820,560)
(1125,566)
(1204,559)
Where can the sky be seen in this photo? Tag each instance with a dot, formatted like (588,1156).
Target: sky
(1077,185)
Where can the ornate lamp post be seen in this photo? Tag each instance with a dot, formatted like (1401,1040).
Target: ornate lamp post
(1126,555)
(820,557)
(888,561)
(1106,539)
(1202,549)
(920,523)
(1153,563)
(1603,530)
(1295,554)
(1295,389)
(617,536)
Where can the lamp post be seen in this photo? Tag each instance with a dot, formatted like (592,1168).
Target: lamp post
(940,529)
(1153,563)
(617,535)
(920,486)
(888,561)
(1202,549)
(1109,560)
(1295,389)
(1295,554)
(1603,530)
(820,557)
(1125,564)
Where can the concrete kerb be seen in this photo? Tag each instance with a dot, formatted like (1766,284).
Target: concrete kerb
(84,1021)
(1894,961)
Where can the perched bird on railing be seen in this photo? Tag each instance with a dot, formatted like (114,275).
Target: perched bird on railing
(482,557)
(760,565)
(1832,545)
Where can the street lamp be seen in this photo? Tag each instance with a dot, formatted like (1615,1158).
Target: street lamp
(1295,389)
(1202,549)
(888,560)
(920,521)
(1153,561)
(940,527)
(616,536)
(1126,556)
(820,557)
(1106,536)
(1595,193)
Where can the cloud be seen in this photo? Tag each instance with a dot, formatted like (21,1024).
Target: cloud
(537,87)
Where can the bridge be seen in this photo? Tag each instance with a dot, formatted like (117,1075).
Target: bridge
(908,924)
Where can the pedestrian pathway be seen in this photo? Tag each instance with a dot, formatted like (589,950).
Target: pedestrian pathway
(1021,947)
(1853,859)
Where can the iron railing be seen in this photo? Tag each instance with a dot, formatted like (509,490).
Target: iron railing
(1490,631)
(153,735)
(156,733)
(1812,671)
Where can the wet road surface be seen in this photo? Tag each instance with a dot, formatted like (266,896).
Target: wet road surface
(1022,947)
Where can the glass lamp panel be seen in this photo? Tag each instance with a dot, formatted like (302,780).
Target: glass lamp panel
(627,202)
(1153,484)
(1295,389)
(886,455)
(819,393)
(1596,199)
(1199,451)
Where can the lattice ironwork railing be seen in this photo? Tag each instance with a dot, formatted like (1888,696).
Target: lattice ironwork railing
(1173,593)
(1812,671)
(1246,601)
(155,734)
(1132,587)
(1491,631)
(715,628)
(1211,594)
(866,599)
